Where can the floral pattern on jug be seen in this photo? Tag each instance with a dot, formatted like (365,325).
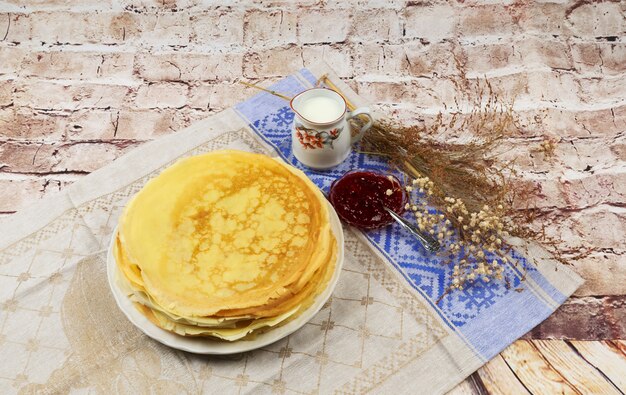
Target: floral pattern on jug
(312,139)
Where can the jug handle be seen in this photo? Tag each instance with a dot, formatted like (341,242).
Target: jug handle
(361,111)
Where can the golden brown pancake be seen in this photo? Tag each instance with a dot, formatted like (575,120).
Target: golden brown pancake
(224,244)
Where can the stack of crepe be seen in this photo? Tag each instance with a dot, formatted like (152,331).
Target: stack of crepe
(226,245)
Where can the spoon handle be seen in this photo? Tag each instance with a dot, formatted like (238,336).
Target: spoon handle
(430,243)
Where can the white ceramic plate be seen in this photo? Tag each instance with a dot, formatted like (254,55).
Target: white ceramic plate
(203,345)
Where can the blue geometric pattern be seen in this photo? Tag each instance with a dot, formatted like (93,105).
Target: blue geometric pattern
(469,312)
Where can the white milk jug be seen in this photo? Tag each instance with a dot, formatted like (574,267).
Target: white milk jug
(320,134)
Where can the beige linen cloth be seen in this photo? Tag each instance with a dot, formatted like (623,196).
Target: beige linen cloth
(61,331)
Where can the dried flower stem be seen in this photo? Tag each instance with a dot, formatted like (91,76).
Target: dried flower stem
(266,90)
(332,86)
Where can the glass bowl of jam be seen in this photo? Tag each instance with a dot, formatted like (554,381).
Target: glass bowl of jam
(359,198)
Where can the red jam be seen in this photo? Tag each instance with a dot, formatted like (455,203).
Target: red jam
(359,196)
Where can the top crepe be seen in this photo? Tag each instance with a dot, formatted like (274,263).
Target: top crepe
(226,234)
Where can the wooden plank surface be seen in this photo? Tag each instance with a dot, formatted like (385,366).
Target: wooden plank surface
(498,378)
(583,376)
(607,358)
(552,367)
(534,371)
(621,345)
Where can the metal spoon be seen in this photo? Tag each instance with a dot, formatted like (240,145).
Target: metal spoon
(430,243)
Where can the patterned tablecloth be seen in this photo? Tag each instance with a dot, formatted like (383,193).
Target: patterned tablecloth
(382,330)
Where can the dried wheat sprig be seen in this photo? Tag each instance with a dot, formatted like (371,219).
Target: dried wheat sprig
(285,97)
(324,78)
